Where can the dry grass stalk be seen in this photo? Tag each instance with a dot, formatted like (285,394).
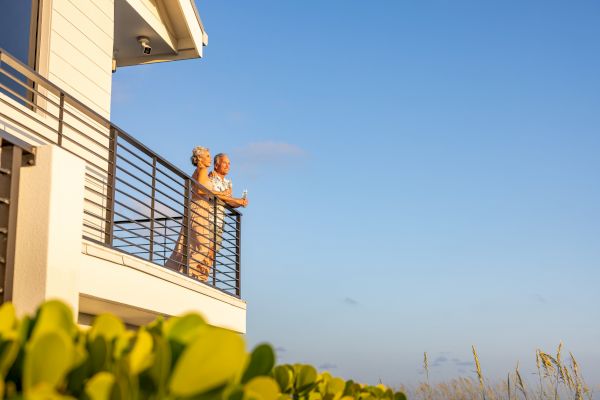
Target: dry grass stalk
(548,363)
(537,363)
(426,366)
(479,374)
(520,383)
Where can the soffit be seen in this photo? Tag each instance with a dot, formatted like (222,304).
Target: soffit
(173,27)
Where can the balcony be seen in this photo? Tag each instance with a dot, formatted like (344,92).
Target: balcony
(137,205)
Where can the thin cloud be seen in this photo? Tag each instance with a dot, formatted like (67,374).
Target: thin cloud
(280,349)
(327,365)
(258,156)
(460,363)
(350,301)
(540,299)
(441,359)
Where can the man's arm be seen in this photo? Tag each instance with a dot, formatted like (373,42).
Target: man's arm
(231,201)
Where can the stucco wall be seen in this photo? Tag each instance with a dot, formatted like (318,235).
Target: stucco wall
(48,237)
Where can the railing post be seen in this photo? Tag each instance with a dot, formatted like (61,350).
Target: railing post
(215,228)
(152,205)
(165,242)
(238,255)
(110,186)
(187,226)
(61,116)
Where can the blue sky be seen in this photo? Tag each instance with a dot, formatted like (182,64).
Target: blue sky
(422,175)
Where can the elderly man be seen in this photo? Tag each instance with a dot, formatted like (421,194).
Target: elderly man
(221,185)
(223,189)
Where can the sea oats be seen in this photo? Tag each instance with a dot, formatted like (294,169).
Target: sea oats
(520,383)
(479,374)
(558,353)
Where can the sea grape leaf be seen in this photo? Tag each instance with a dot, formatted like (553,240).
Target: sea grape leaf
(9,350)
(284,375)
(161,367)
(306,377)
(261,362)
(262,387)
(8,318)
(48,358)
(184,329)
(106,326)
(213,359)
(140,357)
(52,316)
(400,396)
(100,386)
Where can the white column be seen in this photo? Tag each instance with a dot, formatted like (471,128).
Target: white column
(49,229)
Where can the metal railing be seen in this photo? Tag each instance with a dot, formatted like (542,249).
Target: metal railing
(135,201)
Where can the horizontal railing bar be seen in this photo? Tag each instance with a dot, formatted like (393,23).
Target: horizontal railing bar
(169,176)
(16,94)
(150,153)
(166,216)
(150,186)
(35,77)
(149,164)
(155,219)
(25,70)
(135,222)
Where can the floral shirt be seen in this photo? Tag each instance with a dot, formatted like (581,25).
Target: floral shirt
(219,184)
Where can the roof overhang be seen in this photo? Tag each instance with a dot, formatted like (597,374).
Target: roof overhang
(173,28)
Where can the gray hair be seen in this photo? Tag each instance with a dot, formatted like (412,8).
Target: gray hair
(196,154)
(218,157)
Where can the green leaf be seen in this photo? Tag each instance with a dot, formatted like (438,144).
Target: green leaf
(306,377)
(44,391)
(184,329)
(140,357)
(336,386)
(8,318)
(107,326)
(48,358)
(315,396)
(98,353)
(261,362)
(400,396)
(100,386)
(212,360)
(122,344)
(262,387)
(161,368)
(54,316)
(284,375)
(9,350)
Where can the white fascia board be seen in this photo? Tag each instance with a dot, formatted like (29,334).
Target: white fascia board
(155,23)
(194,24)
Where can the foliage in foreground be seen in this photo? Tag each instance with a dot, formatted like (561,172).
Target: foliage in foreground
(48,356)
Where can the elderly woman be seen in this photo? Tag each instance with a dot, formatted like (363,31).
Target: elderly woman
(201,241)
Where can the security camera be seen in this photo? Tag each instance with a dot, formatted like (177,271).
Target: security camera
(145,43)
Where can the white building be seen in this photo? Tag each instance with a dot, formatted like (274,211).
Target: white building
(88,214)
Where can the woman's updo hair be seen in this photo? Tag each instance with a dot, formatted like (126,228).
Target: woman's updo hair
(198,150)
